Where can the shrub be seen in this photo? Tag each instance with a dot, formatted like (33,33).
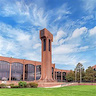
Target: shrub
(22,84)
(2,85)
(28,85)
(15,86)
(32,85)
(11,85)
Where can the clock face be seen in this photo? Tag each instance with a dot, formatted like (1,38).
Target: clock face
(42,33)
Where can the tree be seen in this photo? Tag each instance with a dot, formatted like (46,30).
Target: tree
(90,75)
(70,76)
(79,72)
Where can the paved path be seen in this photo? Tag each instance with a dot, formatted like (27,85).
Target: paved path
(62,85)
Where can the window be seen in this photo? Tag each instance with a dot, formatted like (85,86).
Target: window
(49,45)
(55,75)
(4,70)
(16,71)
(94,69)
(44,45)
(29,72)
(58,76)
(52,72)
(38,72)
(64,76)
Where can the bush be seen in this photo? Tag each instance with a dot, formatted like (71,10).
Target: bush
(15,86)
(22,84)
(28,85)
(11,85)
(32,85)
(2,85)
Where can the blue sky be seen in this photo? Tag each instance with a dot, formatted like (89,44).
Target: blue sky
(72,23)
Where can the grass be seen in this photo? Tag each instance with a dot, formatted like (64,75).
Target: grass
(64,91)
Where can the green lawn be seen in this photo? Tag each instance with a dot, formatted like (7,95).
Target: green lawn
(64,91)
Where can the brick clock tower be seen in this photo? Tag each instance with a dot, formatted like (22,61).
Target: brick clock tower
(46,70)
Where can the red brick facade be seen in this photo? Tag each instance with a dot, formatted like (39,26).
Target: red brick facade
(48,71)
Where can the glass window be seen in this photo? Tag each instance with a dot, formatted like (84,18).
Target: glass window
(44,45)
(38,72)
(29,72)
(64,76)
(4,70)
(58,76)
(16,71)
(94,69)
(52,72)
(49,45)
(55,75)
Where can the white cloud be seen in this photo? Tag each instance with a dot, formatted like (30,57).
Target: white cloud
(60,34)
(16,42)
(61,12)
(7,46)
(89,5)
(68,35)
(68,59)
(33,13)
(37,45)
(83,48)
(79,32)
(65,49)
(22,12)
(32,56)
(92,31)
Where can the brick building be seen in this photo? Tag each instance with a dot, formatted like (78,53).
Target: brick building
(94,67)
(27,70)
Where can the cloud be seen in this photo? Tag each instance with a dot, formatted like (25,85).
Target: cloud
(60,34)
(33,13)
(79,32)
(61,12)
(37,46)
(32,56)
(68,59)
(65,49)
(76,36)
(7,47)
(16,42)
(22,12)
(89,5)
(71,36)
(84,48)
(92,31)
(72,43)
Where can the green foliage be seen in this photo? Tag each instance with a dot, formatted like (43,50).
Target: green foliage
(32,85)
(2,85)
(79,72)
(70,76)
(28,85)
(11,85)
(22,84)
(89,75)
(16,86)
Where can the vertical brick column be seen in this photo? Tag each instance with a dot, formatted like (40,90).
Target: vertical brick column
(23,70)
(10,69)
(35,72)
(54,72)
(10,72)
(46,70)
(61,76)
(56,76)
